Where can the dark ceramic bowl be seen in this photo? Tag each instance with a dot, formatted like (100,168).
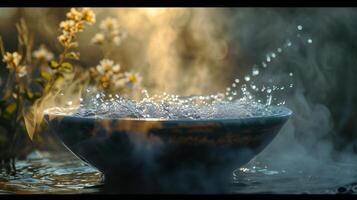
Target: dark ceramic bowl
(167,156)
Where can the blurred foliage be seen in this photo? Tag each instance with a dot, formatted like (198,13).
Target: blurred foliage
(34,75)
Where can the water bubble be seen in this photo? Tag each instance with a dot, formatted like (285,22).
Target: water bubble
(291,85)
(309,41)
(282,88)
(234,85)
(236,80)
(299,27)
(273,55)
(268,90)
(228,89)
(279,50)
(291,74)
(247,78)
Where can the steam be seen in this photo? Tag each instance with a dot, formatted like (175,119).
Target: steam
(192,51)
(56,101)
(323,96)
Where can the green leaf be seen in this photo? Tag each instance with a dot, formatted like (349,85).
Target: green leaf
(37,95)
(54,65)
(29,94)
(66,66)
(59,77)
(72,55)
(11,108)
(40,81)
(45,75)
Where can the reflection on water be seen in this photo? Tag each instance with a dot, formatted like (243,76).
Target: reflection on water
(51,173)
(257,177)
(62,173)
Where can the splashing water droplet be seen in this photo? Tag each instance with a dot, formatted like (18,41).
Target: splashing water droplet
(247,78)
(291,74)
(309,41)
(236,80)
(273,55)
(291,85)
(268,90)
(264,64)
(299,27)
(268,59)
(228,89)
(234,85)
(255,71)
(279,50)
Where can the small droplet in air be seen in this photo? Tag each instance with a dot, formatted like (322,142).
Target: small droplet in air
(268,59)
(247,78)
(299,27)
(264,64)
(255,71)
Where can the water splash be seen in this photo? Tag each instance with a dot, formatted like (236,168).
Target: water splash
(242,99)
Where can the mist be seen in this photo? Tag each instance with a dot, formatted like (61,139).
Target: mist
(196,51)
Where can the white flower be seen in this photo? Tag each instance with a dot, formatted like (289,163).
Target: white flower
(88,15)
(98,38)
(21,71)
(133,80)
(109,24)
(43,54)
(105,66)
(12,59)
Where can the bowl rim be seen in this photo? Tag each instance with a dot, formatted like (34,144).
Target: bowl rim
(287,113)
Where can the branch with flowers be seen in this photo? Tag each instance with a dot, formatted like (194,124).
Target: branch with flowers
(108,75)
(34,75)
